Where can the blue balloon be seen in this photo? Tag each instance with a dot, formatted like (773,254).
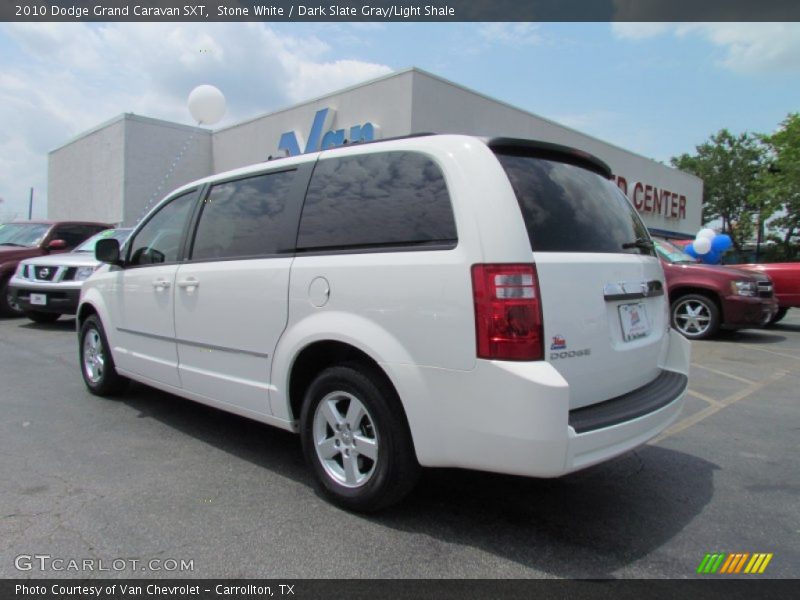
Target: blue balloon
(721,242)
(711,258)
(689,249)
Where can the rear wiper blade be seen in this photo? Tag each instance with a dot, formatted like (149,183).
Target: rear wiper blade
(639,242)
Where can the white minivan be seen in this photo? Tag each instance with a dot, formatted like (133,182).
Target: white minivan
(435,300)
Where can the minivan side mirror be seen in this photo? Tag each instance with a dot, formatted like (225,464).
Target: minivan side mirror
(56,245)
(107,251)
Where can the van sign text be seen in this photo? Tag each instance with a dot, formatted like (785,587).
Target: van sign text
(322,135)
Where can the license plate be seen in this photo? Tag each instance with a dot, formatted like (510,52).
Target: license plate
(39,299)
(634,321)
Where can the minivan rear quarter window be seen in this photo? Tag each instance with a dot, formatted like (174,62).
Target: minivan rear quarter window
(568,208)
(376,200)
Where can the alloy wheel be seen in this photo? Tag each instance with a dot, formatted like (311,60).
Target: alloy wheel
(93,356)
(345,439)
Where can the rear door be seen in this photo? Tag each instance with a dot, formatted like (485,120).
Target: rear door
(602,287)
(231,294)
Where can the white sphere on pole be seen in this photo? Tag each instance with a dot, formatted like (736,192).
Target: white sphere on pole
(206,104)
(706,233)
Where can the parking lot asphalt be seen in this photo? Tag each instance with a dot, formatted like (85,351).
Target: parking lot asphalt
(152,476)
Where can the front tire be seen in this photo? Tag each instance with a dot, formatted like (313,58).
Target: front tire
(356,439)
(779,315)
(97,364)
(695,316)
(9,307)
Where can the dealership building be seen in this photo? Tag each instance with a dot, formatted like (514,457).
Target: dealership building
(118,170)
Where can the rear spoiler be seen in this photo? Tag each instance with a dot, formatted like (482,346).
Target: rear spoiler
(547,150)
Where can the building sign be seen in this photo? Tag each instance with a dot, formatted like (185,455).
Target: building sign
(322,135)
(649,200)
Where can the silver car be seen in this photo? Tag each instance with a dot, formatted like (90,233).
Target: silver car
(47,287)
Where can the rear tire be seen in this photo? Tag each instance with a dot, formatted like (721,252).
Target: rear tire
(8,306)
(42,317)
(356,439)
(97,364)
(695,316)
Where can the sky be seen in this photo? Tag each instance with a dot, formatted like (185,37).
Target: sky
(657,89)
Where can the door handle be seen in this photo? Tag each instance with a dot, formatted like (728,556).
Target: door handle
(161,284)
(189,284)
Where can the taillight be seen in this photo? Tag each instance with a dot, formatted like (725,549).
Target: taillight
(508,313)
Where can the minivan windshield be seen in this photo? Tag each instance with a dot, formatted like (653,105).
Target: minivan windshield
(568,208)
(24,235)
(671,253)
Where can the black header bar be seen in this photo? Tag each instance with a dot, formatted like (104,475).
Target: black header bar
(399,10)
(734,588)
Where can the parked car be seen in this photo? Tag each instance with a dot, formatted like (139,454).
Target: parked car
(441,300)
(47,287)
(786,281)
(35,238)
(704,298)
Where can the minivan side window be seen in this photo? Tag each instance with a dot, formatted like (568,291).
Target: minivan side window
(159,241)
(378,200)
(244,218)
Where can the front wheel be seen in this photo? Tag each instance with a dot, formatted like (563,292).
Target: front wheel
(97,364)
(9,307)
(695,316)
(779,315)
(356,439)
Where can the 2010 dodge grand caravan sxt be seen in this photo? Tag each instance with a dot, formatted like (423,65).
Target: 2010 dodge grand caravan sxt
(434,300)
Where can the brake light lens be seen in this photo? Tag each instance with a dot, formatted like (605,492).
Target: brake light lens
(508,312)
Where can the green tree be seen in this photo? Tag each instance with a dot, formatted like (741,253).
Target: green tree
(731,168)
(782,182)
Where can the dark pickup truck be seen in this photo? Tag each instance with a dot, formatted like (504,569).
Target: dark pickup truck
(704,298)
(26,239)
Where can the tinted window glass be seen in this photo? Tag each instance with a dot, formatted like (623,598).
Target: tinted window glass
(74,234)
(672,253)
(22,234)
(244,217)
(160,239)
(567,208)
(374,200)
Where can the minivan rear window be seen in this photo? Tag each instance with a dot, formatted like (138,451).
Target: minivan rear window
(567,208)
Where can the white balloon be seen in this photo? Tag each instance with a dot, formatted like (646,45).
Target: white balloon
(702,245)
(706,233)
(207,104)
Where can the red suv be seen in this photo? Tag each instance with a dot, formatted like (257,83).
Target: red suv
(35,238)
(704,298)
(786,279)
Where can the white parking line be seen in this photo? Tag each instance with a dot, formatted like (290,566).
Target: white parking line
(724,374)
(694,419)
(794,356)
(704,398)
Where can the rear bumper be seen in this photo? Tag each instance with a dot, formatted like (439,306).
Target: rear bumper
(741,311)
(59,300)
(514,417)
